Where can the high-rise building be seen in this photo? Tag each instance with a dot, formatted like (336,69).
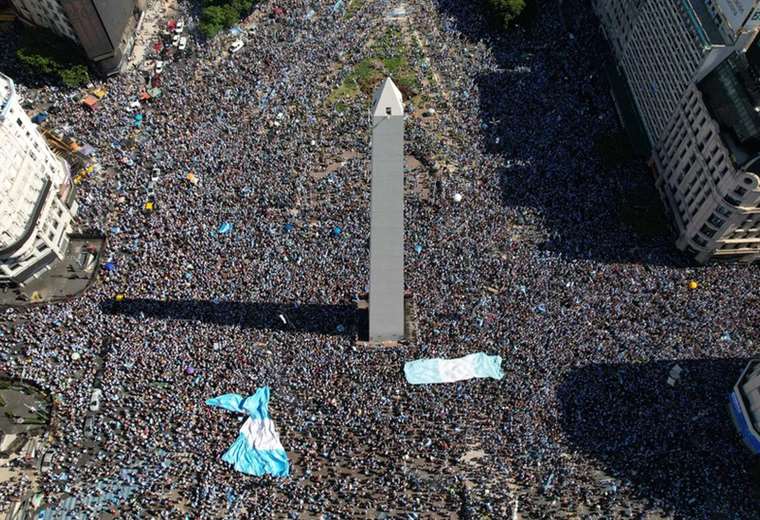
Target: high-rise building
(693,68)
(744,404)
(37,197)
(103,28)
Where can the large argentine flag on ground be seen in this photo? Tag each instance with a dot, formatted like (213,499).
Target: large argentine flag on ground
(257,449)
(427,371)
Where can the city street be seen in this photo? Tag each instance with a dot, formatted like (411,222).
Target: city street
(516,244)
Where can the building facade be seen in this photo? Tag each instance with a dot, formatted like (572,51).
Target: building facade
(37,196)
(693,68)
(103,28)
(744,404)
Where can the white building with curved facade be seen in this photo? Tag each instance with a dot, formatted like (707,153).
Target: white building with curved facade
(37,196)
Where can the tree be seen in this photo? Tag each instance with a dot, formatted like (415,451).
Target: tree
(506,10)
(212,20)
(74,76)
(221,14)
(243,6)
(36,63)
(215,18)
(44,53)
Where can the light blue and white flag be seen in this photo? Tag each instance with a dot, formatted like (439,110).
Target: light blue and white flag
(428,371)
(257,449)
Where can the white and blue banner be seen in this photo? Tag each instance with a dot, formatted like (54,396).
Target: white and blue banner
(438,370)
(257,449)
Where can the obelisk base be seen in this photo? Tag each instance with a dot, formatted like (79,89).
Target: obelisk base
(362,324)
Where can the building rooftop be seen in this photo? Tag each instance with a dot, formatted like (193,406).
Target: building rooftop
(12,237)
(731,92)
(24,189)
(7,91)
(735,15)
(745,406)
(703,22)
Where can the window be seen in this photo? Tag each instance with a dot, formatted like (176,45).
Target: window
(707,231)
(715,220)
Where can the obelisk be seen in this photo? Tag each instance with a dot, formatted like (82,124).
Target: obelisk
(386,250)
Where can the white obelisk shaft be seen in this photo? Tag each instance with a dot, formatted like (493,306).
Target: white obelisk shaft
(386,271)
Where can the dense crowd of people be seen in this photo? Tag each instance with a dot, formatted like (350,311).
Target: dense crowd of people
(533,264)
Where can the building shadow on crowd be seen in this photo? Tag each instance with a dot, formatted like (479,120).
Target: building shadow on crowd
(547,112)
(336,320)
(674,447)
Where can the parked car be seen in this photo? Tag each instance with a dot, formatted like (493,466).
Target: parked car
(46,462)
(89,427)
(159,66)
(40,118)
(175,40)
(180,26)
(183,43)
(97,394)
(236,46)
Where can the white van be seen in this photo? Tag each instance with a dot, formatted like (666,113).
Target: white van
(236,46)
(97,394)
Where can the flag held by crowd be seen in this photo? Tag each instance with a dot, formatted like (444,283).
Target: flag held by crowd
(257,449)
(438,370)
